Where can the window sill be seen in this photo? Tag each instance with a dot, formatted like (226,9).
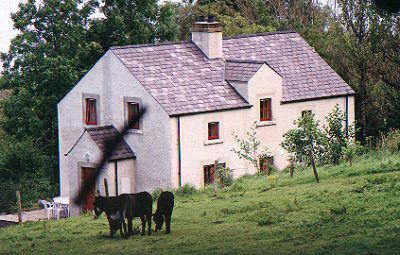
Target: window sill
(211,142)
(266,123)
(135,131)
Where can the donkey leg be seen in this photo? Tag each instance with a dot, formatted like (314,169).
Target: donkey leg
(142,218)
(149,223)
(167,224)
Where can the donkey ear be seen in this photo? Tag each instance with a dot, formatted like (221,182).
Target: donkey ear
(97,193)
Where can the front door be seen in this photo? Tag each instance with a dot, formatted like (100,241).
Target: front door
(87,204)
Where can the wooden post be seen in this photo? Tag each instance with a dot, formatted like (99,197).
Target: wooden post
(116,177)
(106,187)
(19,205)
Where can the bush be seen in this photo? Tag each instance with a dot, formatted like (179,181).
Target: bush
(390,141)
(186,190)
(224,175)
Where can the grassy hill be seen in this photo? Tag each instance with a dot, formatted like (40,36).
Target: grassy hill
(354,210)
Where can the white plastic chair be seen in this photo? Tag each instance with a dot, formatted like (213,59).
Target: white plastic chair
(61,207)
(48,208)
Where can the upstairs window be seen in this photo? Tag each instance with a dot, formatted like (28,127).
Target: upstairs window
(265,109)
(91,112)
(306,113)
(133,112)
(213,130)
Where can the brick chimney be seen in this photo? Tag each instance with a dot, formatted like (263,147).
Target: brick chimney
(207,35)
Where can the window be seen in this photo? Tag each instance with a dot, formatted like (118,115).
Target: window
(305,113)
(91,112)
(209,173)
(266,164)
(133,111)
(265,109)
(213,130)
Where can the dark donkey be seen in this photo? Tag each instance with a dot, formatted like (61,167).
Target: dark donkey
(138,205)
(125,206)
(114,208)
(165,205)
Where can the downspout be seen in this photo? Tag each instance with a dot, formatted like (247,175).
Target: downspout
(179,153)
(116,177)
(347,115)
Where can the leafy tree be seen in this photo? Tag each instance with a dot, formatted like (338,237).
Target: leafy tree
(134,22)
(305,140)
(249,147)
(45,60)
(335,134)
(352,149)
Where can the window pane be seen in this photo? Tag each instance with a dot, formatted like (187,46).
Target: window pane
(213,130)
(133,111)
(265,109)
(91,113)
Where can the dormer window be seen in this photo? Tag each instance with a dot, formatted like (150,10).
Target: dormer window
(133,112)
(91,111)
(265,109)
(213,130)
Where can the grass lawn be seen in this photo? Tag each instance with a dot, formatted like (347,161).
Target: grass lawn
(354,210)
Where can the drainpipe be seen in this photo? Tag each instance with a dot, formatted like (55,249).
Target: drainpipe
(179,153)
(347,115)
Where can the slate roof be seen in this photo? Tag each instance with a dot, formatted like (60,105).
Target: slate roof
(181,78)
(101,135)
(305,74)
(241,70)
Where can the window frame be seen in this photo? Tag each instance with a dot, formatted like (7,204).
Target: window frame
(267,110)
(90,105)
(129,104)
(213,127)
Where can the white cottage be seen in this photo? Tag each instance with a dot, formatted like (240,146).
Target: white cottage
(196,93)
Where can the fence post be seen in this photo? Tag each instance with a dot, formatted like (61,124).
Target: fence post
(106,187)
(19,205)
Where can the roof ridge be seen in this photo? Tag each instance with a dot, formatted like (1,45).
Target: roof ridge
(259,34)
(249,61)
(148,44)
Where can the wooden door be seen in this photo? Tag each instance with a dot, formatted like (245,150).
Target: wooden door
(87,204)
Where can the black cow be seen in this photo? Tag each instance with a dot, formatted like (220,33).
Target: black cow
(165,205)
(114,210)
(125,206)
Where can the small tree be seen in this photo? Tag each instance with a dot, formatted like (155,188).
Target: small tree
(249,147)
(224,175)
(335,134)
(352,149)
(306,140)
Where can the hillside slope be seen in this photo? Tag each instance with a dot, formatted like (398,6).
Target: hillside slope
(354,210)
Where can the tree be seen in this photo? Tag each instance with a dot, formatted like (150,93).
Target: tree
(249,148)
(134,22)
(44,61)
(305,140)
(336,134)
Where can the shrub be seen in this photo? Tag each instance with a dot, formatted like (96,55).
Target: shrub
(352,149)
(390,141)
(335,135)
(156,193)
(186,190)
(224,175)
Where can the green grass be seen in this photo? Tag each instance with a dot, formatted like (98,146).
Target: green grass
(354,210)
